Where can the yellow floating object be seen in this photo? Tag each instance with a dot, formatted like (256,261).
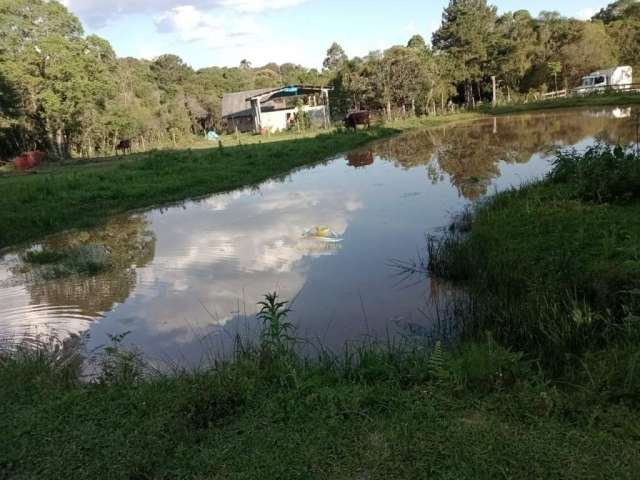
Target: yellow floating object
(321,231)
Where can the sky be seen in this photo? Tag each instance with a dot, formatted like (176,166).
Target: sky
(223,32)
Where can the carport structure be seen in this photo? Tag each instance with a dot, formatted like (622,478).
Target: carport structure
(316,106)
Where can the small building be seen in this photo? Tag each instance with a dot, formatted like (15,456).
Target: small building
(274,109)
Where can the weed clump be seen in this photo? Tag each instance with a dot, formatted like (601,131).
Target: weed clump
(120,365)
(601,174)
(83,260)
(43,257)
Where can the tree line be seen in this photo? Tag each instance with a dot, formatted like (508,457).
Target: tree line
(526,54)
(68,93)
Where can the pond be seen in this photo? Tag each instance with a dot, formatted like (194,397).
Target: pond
(184,279)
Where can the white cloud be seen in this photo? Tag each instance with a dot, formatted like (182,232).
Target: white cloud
(100,12)
(193,25)
(235,29)
(256,6)
(233,34)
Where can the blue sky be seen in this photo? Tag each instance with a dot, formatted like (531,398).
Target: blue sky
(223,32)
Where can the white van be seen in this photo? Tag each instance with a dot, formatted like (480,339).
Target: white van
(619,78)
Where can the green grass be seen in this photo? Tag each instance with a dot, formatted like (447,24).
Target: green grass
(553,268)
(481,412)
(596,100)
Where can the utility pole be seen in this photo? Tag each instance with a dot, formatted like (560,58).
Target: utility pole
(638,133)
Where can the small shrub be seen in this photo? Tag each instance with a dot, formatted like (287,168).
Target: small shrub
(486,365)
(601,174)
(44,361)
(118,365)
(275,336)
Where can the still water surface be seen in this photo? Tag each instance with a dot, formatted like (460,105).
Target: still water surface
(185,279)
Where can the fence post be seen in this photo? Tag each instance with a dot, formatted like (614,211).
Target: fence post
(495,99)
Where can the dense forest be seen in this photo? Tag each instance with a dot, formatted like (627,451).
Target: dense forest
(68,93)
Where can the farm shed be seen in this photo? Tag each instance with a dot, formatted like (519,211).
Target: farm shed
(274,109)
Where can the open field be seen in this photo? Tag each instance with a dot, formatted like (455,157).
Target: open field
(452,292)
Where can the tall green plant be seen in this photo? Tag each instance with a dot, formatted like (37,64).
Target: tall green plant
(276,327)
(118,365)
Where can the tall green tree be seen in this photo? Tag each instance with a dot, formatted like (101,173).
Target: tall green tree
(618,10)
(11,130)
(59,74)
(622,21)
(267,78)
(467,35)
(417,42)
(409,77)
(592,50)
(514,52)
(336,57)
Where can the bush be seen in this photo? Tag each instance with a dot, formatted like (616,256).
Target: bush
(601,174)
(551,269)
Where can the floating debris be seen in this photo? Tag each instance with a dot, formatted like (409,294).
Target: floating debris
(322,233)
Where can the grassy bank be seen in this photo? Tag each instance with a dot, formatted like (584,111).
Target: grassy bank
(596,100)
(479,412)
(84,193)
(553,269)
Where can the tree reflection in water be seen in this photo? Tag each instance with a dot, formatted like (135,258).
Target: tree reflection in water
(129,244)
(470,155)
